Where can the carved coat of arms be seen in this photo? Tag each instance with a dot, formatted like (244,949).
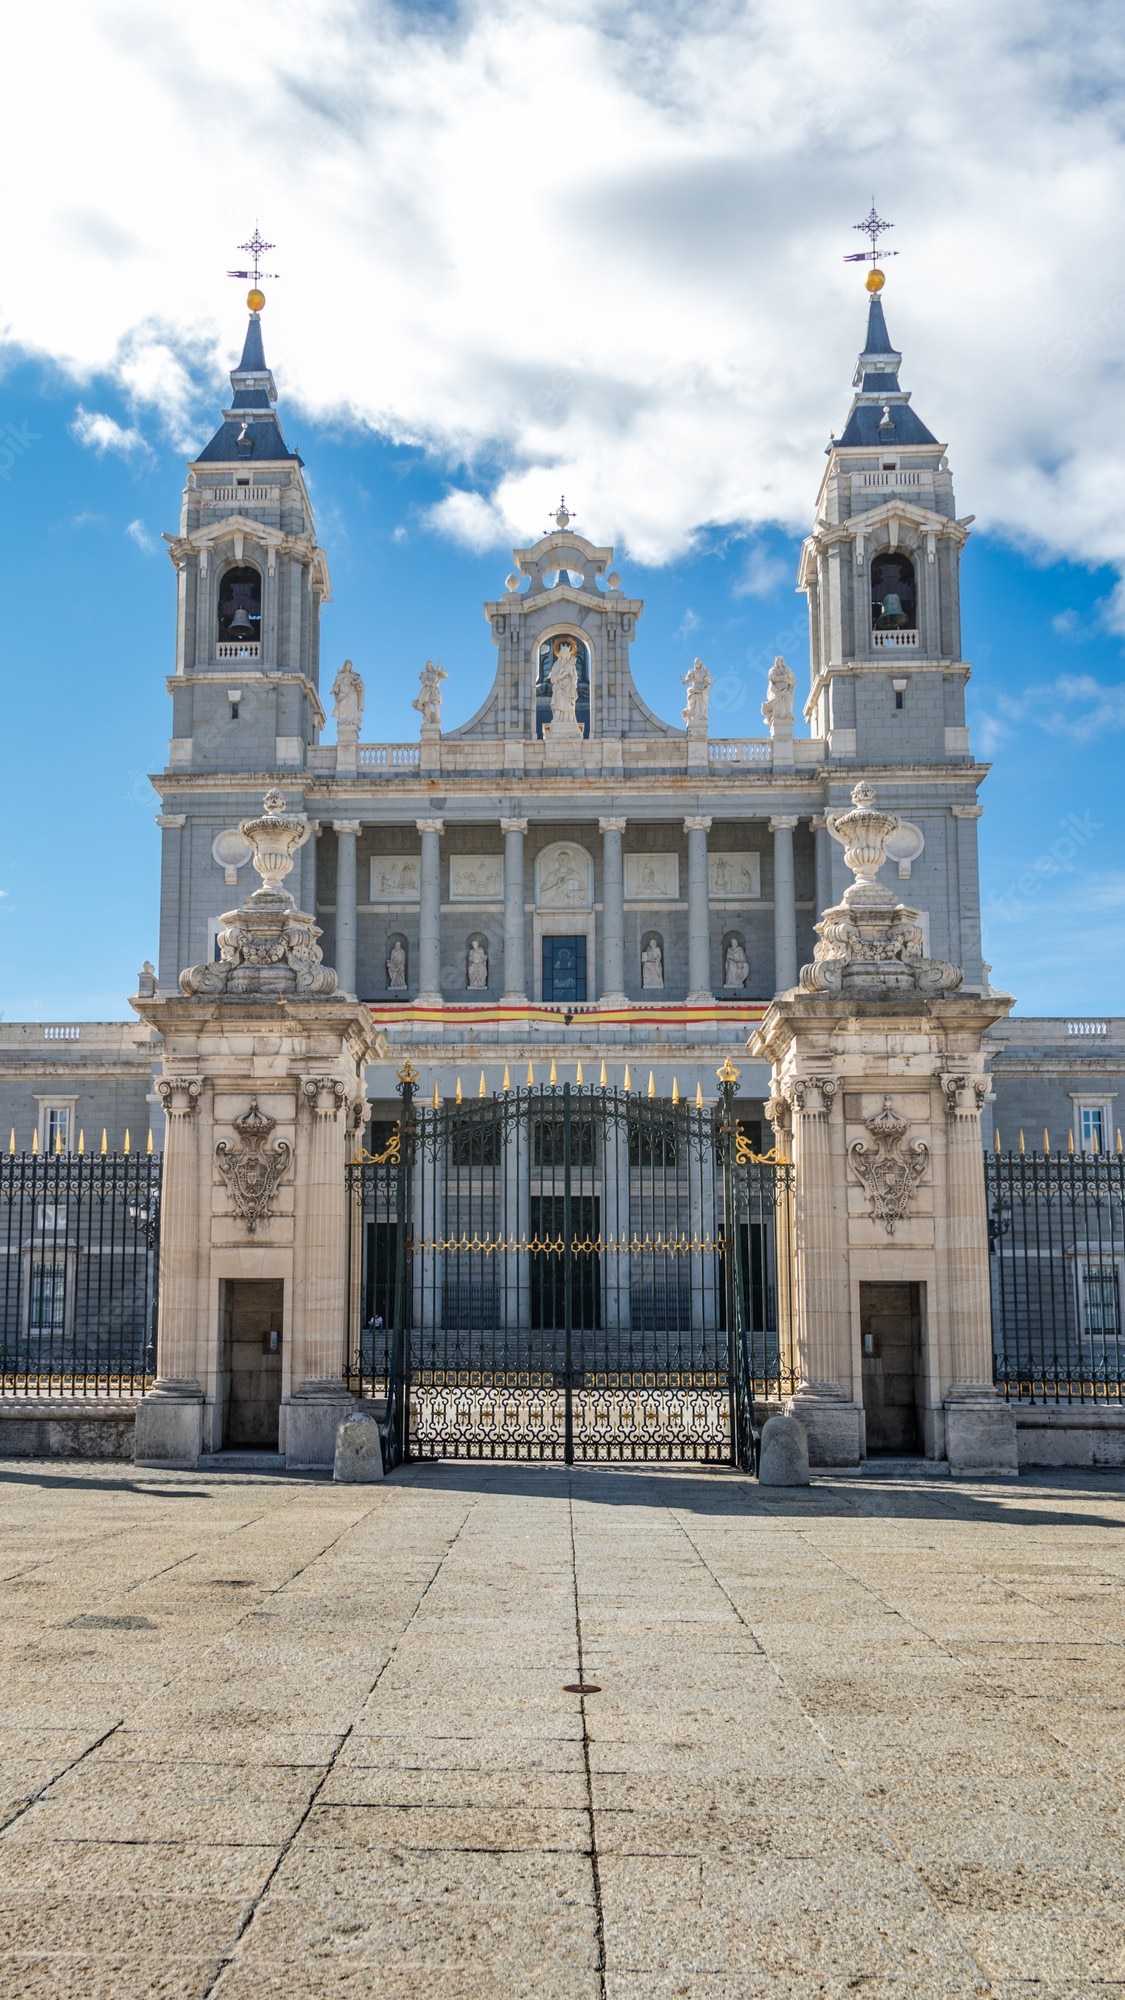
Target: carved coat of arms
(889,1169)
(252,1174)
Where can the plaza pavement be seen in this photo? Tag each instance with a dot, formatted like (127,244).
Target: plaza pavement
(264,1736)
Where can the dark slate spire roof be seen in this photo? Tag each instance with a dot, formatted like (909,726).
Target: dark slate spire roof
(881,412)
(250,429)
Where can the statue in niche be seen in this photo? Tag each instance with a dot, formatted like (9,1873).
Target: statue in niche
(778,707)
(566,881)
(564,688)
(347,702)
(736,965)
(652,964)
(697,681)
(428,698)
(477,966)
(396,966)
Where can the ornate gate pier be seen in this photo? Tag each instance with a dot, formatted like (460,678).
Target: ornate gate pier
(569,1272)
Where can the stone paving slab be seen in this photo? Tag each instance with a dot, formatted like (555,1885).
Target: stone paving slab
(265,1736)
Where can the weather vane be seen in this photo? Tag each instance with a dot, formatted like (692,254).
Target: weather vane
(255,297)
(563,515)
(873,227)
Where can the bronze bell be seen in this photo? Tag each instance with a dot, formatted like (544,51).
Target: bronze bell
(240,626)
(892,614)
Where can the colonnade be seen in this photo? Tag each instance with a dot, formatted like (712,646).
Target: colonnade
(612,927)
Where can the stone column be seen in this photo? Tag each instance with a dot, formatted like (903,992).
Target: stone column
(307,870)
(824,897)
(319,1401)
(979,1430)
(965,818)
(699,911)
(613,913)
(515,975)
(429,914)
(169,1424)
(346,831)
(784,903)
(823,1398)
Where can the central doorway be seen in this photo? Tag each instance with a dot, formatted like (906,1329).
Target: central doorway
(251,1321)
(890,1318)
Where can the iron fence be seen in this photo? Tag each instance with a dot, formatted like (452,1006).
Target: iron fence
(79,1246)
(1057,1254)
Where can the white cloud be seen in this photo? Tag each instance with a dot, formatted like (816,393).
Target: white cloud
(600,247)
(138,533)
(103,433)
(1076,706)
(761,574)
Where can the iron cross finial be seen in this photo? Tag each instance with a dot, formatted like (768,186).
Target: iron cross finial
(873,227)
(255,248)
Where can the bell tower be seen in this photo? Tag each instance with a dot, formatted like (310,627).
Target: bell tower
(881,574)
(252,580)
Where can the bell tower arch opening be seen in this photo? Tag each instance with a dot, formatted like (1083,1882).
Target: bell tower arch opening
(894,596)
(240,605)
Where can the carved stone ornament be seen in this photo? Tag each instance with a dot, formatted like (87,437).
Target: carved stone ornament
(778,705)
(959,1088)
(890,1169)
(179,1095)
(253,1175)
(268,948)
(799,1089)
(325,1094)
(870,942)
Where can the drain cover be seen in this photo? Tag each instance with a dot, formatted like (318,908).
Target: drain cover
(581,1687)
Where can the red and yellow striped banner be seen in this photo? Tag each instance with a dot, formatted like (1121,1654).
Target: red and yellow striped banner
(672,1015)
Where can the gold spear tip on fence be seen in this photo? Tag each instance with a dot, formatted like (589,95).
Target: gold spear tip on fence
(699,1097)
(12,1141)
(578,1076)
(458,1092)
(1023,1148)
(58,1142)
(148,1147)
(507,1078)
(554,1077)
(104,1148)
(675,1091)
(35,1142)
(1070,1143)
(996,1142)
(1119,1146)
(530,1074)
(628,1085)
(437,1098)
(482,1092)
(125,1147)
(602,1078)
(1046,1143)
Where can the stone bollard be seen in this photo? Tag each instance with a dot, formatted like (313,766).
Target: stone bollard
(359,1451)
(784,1456)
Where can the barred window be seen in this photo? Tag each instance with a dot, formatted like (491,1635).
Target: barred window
(1101,1302)
(48,1298)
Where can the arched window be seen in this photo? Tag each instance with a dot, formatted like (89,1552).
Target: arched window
(893,597)
(548,653)
(240,606)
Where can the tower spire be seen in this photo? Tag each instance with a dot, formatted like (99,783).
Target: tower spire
(250,428)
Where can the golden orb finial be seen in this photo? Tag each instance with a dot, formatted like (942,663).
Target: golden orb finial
(875,280)
(255,299)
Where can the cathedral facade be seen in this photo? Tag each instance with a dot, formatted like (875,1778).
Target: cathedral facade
(566,877)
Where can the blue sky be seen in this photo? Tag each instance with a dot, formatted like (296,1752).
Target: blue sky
(522,253)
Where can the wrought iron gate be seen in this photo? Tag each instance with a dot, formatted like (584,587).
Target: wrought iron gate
(567,1272)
